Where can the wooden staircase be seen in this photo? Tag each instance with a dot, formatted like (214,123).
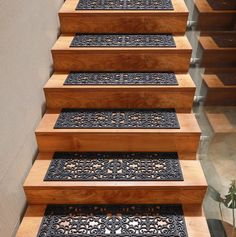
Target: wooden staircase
(218,47)
(184,140)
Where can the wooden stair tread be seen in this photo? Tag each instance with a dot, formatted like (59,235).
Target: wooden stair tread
(208,43)
(188,124)
(64,41)
(179,96)
(192,172)
(210,19)
(213,81)
(203,6)
(183,140)
(194,218)
(191,190)
(218,52)
(219,93)
(126,59)
(220,119)
(69,8)
(123,21)
(57,80)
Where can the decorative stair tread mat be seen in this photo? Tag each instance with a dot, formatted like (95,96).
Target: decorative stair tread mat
(121,78)
(114,166)
(117,118)
(123,40)
(125,5)
(148,220)
(222,4)
(228,79)
(225,41)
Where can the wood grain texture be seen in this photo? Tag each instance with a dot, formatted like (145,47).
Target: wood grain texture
(220,121)
(210,19)
(194,218)
(191,190)
(59,96)
(121,59)
(117,21)
(215,55)
(218,93)
(183,140)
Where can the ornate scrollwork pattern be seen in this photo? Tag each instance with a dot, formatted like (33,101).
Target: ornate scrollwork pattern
(117,118)
(113,220)
(110,166)
(124,40)
(121,78)
(125,5)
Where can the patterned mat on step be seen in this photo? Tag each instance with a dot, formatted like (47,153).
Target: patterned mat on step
(114,166)
(113,220)
(123,40)
(121,78)
(125,5)
(117,118)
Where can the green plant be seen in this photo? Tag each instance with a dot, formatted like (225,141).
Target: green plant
(229,200)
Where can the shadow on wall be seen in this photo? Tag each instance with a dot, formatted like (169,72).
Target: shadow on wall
(28,31)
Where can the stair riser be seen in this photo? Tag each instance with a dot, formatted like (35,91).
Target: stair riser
(124,23)
(219,58)
(121,60)
(180,99)
(211,22)
(182,143)
(115,196)
(221,97)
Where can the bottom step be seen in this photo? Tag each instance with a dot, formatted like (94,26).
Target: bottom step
(116,220)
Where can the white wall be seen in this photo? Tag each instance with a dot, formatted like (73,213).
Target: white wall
(28,29)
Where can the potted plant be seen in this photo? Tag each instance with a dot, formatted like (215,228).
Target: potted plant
(220,228)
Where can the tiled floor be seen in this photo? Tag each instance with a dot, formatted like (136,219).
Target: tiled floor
(217,153)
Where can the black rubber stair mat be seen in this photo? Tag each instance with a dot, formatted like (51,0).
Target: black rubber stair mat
(114,166)
(222,4)
(123,40)
(113,220)
(117,118)
(125,5)
(121,78)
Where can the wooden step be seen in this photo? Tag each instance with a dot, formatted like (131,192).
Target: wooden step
(123,21)
(221,120)
(183,140)
(194,218)
(210,19)
(221,88)
(191,190)
(138,59)
(219,49)
(179,96)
